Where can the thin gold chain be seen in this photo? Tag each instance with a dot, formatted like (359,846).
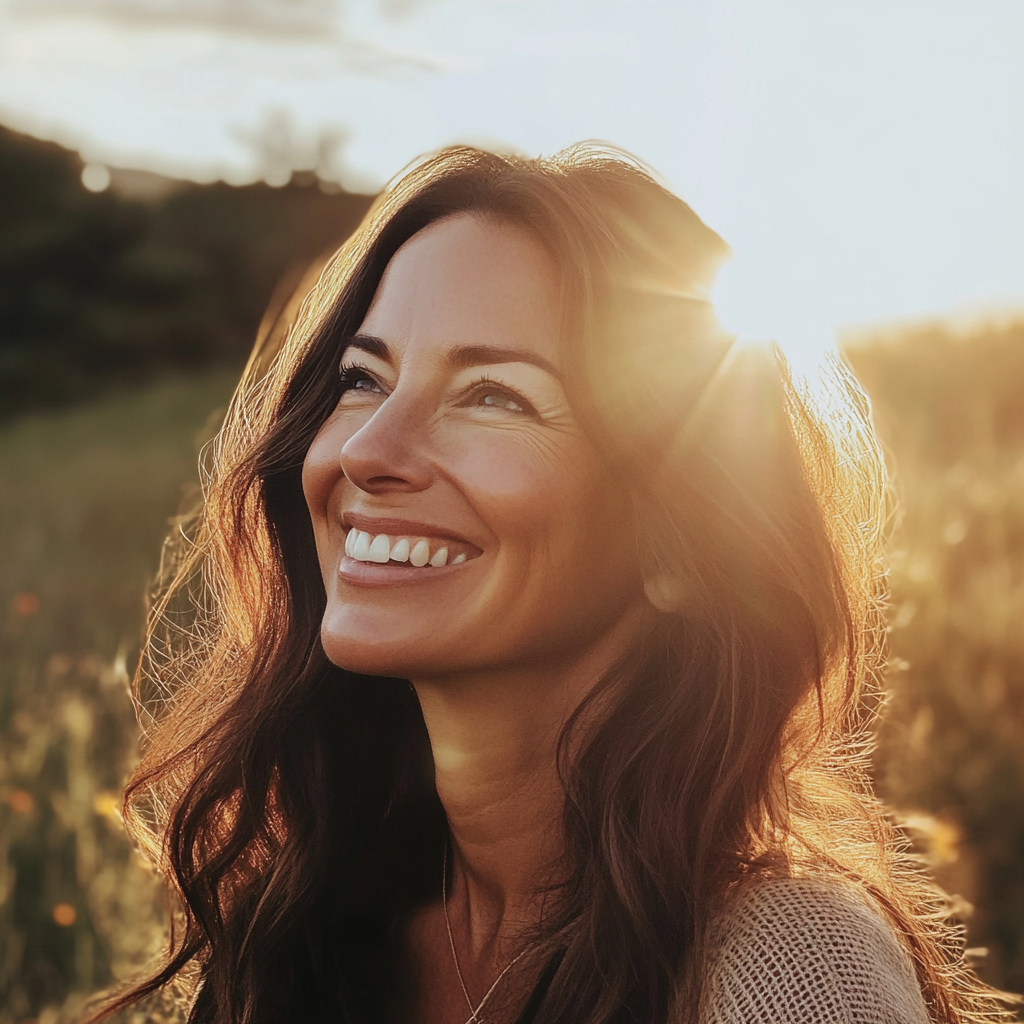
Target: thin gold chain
(474,1012)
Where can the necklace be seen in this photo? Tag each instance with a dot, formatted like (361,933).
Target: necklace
(474,1012)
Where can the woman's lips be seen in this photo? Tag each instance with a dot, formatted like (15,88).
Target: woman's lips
(376,574)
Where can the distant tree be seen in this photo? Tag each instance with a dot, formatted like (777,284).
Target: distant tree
(98,289)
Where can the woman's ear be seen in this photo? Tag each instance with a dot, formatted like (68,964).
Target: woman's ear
(666,594)
(663,590)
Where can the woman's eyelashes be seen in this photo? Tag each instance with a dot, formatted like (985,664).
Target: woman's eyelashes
(360,380)
(485,393)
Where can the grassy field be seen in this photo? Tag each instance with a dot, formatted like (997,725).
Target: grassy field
(948,405)
(86,496)
(85,500)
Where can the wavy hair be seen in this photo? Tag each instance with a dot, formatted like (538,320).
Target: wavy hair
(291,803)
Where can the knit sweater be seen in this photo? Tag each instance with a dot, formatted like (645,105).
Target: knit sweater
(808,950)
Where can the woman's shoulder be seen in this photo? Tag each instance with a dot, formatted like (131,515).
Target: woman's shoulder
(807,949)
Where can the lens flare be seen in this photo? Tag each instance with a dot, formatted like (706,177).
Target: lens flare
(757,305)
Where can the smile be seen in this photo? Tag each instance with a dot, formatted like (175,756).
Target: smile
(419,552)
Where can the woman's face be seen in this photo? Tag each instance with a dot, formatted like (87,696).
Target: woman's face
(463,520)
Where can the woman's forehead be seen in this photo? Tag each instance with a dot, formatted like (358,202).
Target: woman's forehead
(469,280)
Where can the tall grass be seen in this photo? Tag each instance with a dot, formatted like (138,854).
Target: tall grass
(85,499)
(949,405)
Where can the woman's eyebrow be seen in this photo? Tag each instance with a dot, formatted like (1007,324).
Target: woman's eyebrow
(368,343)
(464,356)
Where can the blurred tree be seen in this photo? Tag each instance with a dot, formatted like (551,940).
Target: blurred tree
(99,289)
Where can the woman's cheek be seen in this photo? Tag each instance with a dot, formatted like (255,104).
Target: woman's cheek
(513,471)
(316,478)
(321,469)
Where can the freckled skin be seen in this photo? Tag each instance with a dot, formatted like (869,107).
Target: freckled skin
(512,473)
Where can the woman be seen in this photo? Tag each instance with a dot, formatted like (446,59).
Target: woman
(520,666)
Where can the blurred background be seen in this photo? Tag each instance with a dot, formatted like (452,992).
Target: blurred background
(170,168)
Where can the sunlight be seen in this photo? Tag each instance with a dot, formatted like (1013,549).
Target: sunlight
(755,304)
(844,198)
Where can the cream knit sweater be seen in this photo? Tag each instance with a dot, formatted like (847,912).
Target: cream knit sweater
(808,950)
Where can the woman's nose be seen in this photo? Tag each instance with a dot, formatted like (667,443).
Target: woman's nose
(388,452)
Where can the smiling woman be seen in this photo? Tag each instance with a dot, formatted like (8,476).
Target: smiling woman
(454,445)
(531,648)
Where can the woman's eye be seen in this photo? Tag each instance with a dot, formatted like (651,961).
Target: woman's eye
(359,381)
(499,398)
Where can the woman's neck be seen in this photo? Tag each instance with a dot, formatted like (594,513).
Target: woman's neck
(494,737)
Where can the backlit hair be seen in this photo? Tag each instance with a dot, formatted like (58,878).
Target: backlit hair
(291,803)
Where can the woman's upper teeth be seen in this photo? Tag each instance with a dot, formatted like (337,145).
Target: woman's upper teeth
(417,551)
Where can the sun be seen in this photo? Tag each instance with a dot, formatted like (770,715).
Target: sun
(755,303)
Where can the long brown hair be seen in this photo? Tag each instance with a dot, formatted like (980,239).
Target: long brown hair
(291,803)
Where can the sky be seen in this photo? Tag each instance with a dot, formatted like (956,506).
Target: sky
(863,158)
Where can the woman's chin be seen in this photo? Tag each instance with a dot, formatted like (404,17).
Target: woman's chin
(366,659)
(381,653)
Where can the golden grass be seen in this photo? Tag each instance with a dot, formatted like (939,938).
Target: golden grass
(86,496)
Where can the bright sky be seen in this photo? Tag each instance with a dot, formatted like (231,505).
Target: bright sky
(864,158)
